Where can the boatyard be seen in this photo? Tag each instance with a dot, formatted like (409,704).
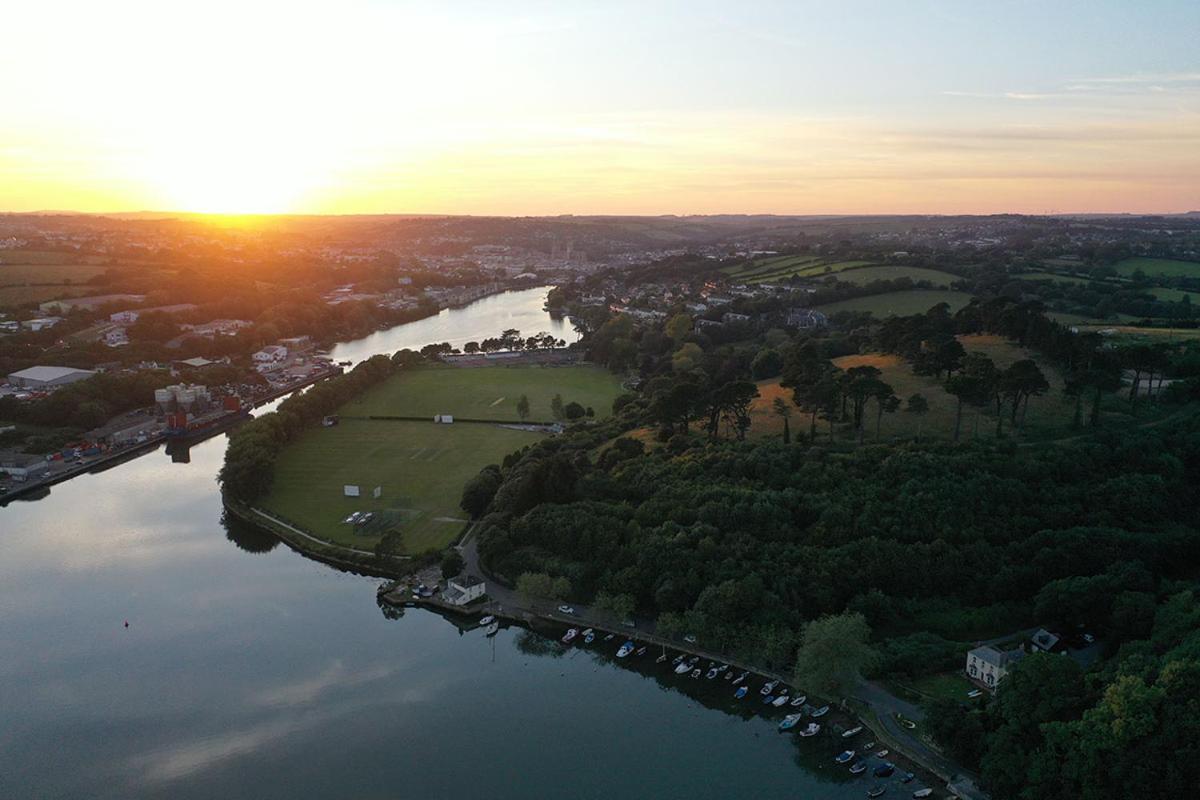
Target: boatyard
(736,687)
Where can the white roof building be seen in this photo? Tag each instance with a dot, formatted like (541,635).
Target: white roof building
(48,377)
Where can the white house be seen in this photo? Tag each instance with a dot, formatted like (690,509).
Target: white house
(463,590)
(987,665)
(444,419)
(271,354)
(124,317)
(116,337)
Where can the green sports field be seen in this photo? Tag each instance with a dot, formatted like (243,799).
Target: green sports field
(917,301)
(488,392)
(420,466)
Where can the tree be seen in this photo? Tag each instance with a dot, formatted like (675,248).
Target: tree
(620,606)
(834,652)
(556,406)
(735,399)
(972,384)
(574,411)
(886,403)
(390,545)
(784,411)
(452,564)
(767,364)
(540,586)
(478,492)
(523,407)
(1020,381)
(918,406)
(678,327)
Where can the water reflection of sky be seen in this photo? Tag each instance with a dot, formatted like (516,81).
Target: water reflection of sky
(250,671)
(522,310)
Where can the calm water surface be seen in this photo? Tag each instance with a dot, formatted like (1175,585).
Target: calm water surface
(248,671)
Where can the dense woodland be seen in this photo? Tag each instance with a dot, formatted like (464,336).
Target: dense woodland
(934,545)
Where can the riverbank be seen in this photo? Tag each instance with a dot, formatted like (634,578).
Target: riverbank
(904,750)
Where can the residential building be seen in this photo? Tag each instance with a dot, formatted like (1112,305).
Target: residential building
(41,323)
(988,665)
(463,590)
(271,354)
(116,337)
(806,318)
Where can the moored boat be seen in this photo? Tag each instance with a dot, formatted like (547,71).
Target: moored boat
(488,620)
(877,791)
(768,687)
(493,628)
(884,770)
(641,651)
(587,632)
(855,731)
(882,753)
(695,673)
(820,712)
(712,673)
(570,635)
(858,768)
(789,722)
(661,659)
(768,700)
(919,793)
(780,701)
(589,637)
(811,729)
(844,756)
(740,693)
(625,649)
(740,678)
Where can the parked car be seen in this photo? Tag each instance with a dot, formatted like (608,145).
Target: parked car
(566,609)
(690,639)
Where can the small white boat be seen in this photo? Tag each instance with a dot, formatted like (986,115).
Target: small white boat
(768,688)
(684,667)
(712,673)
(609,637)
(811,729)
(820,712)
(799,700)
(677,659)
(570,635)
(625,650)
(877,791)
(728,676)
(641,651)
(780,701)
(493,628)
(488,620)
(589,637)
(588,632)
(789,722)
(858,768)
(855,731)
(661,659)
(740,678)
(922,793)
(869,745)
(882,753)
(695,673)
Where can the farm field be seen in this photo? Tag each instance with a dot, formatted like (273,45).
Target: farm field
(864,275)
(488,392)
(21,274)
(1159,266)
(1050,276)
(1116,330)
(420,466)
(20,295)
(1173,295)
(1048,415)
(783,267)
(916,301)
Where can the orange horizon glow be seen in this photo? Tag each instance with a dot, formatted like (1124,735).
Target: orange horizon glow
(407,108)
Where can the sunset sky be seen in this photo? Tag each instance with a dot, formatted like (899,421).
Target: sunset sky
(606,107)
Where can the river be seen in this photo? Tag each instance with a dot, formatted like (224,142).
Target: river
(249,671)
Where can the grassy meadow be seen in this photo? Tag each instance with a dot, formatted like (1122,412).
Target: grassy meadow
(1049,415)
(1155,267)
(421,466)
(916,301)
(864,275)
(488,392)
